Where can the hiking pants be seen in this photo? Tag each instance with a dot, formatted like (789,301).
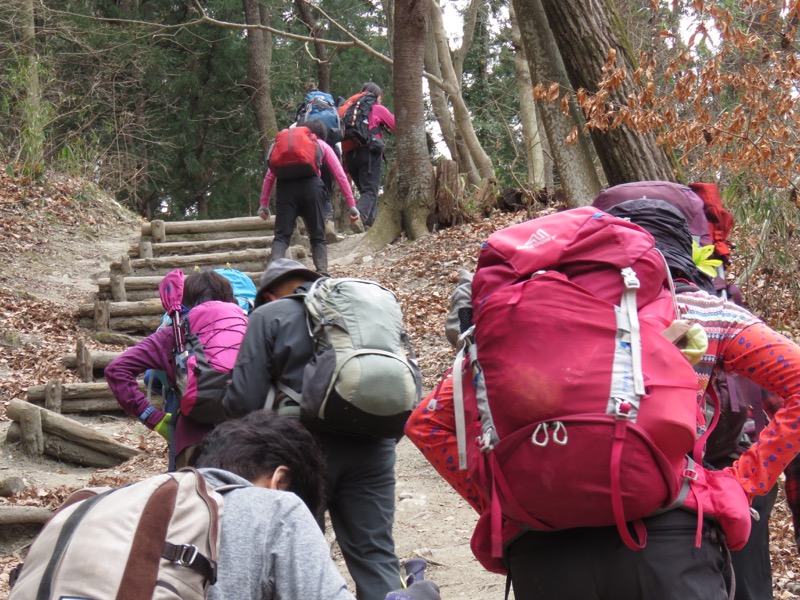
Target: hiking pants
(364,166)
(360,485)
(300,198)
(594,564)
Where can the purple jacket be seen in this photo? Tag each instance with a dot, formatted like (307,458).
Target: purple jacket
(153,352)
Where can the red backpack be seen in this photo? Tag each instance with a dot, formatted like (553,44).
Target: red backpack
(295,154)
(587,412)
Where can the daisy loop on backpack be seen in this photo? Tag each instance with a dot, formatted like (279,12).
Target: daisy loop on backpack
(587,413)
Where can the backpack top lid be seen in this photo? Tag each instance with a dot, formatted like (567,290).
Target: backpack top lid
(680,196)
(244,290)
(319,94)
(583,243)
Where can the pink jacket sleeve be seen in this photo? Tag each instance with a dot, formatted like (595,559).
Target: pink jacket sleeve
(332,161)
(266,188)
(380,115)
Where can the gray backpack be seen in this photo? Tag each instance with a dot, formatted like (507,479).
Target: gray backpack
(363,378)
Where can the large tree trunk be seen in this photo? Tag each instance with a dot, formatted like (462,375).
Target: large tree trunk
(534,152)
(573,162)
(409,197)
(259,63)
(585,31)
(320,50)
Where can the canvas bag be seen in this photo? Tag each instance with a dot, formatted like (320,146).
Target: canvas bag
(156,539)
(207,341)
(578,428)
(295,154)
(363,378)
(321,105)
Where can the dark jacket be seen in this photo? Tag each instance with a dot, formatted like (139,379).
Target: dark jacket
(276,347)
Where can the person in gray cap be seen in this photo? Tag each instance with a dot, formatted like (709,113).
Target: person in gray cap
(360,480)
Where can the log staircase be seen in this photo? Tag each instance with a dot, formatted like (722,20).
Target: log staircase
(128,308)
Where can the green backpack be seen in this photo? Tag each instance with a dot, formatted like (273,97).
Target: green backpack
(363,378)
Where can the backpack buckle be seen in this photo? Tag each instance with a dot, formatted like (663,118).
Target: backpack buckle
(187,553)
(690,474)
(630,279)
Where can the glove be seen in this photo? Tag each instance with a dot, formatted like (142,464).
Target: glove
(164,427)
(421,590)
(354,214)
(264,213)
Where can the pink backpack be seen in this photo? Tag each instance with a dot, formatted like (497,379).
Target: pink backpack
(207,341)
(587,413)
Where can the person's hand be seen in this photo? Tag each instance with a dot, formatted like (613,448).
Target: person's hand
(164,427)
(354,214)
(263,212)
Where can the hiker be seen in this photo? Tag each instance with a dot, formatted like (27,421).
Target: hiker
(360,479)
(303,195)
(271,547)
(157,352)
(593,562)
(751,564)
(268,473)
(363,119)
(321,105)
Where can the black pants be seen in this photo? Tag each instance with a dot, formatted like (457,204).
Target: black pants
(594,564)
(751,564)
(360,494)
(300,198)
(327,180)
(364,166)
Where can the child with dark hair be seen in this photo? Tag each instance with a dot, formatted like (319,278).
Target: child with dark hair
(271,546)
(157,352)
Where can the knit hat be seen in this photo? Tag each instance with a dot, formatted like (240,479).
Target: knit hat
(279,269)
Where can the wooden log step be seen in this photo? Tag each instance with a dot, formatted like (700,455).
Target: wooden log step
(70,430)
(144,325)
(24,515)
(211,226)
(66,450)
(80,406)
(100,359)
(126,309)
(149,283)
(244,260)
(76,391)
(201,246)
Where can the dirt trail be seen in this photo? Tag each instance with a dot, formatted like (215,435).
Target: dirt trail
(51,267)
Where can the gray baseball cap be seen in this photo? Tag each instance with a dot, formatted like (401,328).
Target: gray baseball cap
(278,269)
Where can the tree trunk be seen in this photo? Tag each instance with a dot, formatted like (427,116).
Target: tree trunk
(320,50)
(585,31)
(534,152)
(573,162)
(441,109)
(409,196)
(259,64)
(452,86)
(32,148)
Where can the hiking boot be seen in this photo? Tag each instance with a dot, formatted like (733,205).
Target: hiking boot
(330,232)
(357,226)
